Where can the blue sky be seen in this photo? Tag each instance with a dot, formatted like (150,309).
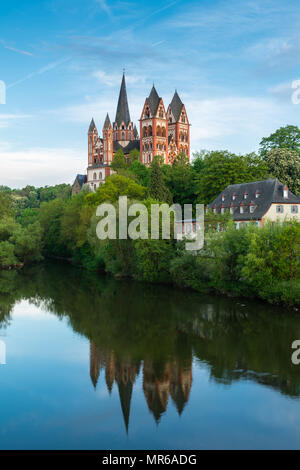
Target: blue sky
(232,62)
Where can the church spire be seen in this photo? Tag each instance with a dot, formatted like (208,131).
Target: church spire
(122,113)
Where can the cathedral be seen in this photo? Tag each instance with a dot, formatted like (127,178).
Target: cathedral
(164,132)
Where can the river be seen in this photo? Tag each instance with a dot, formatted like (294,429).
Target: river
(94,363)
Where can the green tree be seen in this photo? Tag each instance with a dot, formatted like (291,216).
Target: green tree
(141,171)
(119,161)
(5,205)
(157,187)
(180,179)
(284,164)
(27,243)
(7,255)
(286,137)
(222,168)
(134,156)
(114,187)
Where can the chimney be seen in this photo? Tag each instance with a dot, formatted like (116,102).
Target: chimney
(285,191)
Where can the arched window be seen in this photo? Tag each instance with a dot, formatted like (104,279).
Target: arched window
(147,112)
(123,135)
(158,131)
(149,131)
(163,133)
(95,176)
(144,131)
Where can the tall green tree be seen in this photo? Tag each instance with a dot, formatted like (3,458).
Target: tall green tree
(119,161)
(180,179)
(284,164)
(287,137)
(157,187)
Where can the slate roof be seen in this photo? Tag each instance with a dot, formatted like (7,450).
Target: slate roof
(153,100)
(270,191)
(122,113)
(176,106)
(107,122)
(92,126)
(133,144)
(82,179)
(97,165)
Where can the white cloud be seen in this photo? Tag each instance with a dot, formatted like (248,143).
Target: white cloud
(238,122)
(40,166)
(115,80)
(6,119)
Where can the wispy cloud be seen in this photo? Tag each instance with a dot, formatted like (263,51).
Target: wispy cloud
(41,71)
(19,51)
(105,7)
(14,49)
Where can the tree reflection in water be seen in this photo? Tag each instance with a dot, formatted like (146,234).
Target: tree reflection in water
(159,330)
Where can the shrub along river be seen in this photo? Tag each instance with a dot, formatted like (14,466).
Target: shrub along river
(94,363)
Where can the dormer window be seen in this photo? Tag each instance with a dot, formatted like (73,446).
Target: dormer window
(234,197)
(231,209)
(285,192)
(241,208)
(257,194)
(252,208)
(215,209)
(222,210)
(245,195)
(223,198)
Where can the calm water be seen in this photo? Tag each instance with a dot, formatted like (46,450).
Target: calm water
(100,364)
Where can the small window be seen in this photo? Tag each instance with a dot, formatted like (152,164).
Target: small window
(245,195)
(252,208)
(294,209)
(279,209)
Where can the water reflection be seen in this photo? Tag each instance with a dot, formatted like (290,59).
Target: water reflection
(160,332)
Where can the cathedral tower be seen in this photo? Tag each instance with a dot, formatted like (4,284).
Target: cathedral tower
(123,127)
(107,141)
(179,128)
(92,141)
(153,129)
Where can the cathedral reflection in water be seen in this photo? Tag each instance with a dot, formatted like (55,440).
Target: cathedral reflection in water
(172,380)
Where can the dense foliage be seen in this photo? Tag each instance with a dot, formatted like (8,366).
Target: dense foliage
(252,261)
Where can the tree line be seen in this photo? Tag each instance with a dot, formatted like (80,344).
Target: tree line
(263,262)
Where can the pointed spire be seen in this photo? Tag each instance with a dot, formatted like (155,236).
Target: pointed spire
(122,113)
(92,126)
(176,106)
(125,392)
(135,133)
(107,122)
(153,100)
